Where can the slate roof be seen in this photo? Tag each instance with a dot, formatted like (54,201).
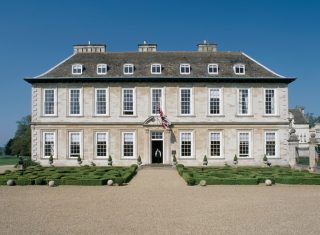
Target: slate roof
(298,116)
(170,62)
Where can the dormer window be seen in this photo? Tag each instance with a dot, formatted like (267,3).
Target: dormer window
(184,68)
(101,69)
(213,68)
(128,69)
(77,69)
(239,69)
(156,69)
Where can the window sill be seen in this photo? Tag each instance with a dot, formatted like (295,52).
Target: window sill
(244,115)
(216,158)
(100,158)
(128,158)
(271,115)
(49,116)
(186,158)
(130,116)
(274,158)
(186,115)
(215,115)
(245,158)
(75,116)
(101,116)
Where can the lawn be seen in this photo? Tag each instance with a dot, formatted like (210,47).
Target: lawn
(8,160)
(84,175)
(246,175)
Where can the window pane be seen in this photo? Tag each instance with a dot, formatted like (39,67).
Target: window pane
(101,147)
(215,144)
(128,102)
(185,102)
(243,144)
(243,101)
(74,101)
(214,101)
(49,102)
(74,144)
(101,101)
(156,100)
(128,141)
(270,101)
(48,144)
(186,145)
(271,144)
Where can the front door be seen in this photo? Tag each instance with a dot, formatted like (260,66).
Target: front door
(157,147)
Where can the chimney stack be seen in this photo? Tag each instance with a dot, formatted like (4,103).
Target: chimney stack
(89,48)
(207,47)
(147,47)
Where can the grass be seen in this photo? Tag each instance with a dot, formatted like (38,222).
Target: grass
(8,160)
(84,175)
(246,175)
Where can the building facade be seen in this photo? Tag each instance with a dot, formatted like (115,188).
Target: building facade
(219,104)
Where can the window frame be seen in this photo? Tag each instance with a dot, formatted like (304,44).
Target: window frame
(80,102)
(180,144)
(54,102)
(275,102)
(220,101)
(191,101)
(185,65)
(249,102)
(162,100)
(249,143)
(96,144)
(134,145)
(128,65)
(239,66)
(102,66)
(96,103)
(74,67)
(80,143)
(44,143)
(213,65)
(156,64)
(221,156)
(134,102)
(275,132)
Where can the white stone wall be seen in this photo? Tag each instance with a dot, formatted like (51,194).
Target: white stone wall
(200,123)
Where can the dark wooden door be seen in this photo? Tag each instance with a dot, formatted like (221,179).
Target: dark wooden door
(157,151)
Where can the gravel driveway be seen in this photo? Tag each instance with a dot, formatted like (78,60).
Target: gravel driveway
(157,201)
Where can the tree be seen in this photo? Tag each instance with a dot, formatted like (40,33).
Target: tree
(21,144)
(7,148)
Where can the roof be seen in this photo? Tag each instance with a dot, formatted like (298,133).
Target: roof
(298,116)
(170,62)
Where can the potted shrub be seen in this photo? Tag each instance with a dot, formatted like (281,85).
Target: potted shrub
(139,161)
(265,159)
(51,160)
(109,160)
(174,159)
(79,160)
(205,160)
(235,159)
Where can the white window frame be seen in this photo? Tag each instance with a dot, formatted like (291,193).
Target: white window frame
(96,144)
(54,143)
(134,145)
(250,144)
(102,66)
(180,144)
(134,101)
(249,102)
(240,66)
(191,101)
(76,67)
(220,101)
(213,65)
(54,101)
(275,102)
(221,145)
(156,65)
(69,144)
(127,66)
(80,102)
(161,101)
(185,66)
(276,143)
(96,103)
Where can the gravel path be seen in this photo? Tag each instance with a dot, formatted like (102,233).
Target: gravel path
(157,201)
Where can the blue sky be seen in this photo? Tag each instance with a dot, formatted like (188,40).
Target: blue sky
(36,35)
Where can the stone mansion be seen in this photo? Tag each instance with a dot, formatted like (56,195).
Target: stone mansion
(155,104)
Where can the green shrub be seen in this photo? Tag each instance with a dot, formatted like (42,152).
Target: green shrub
(190,181)
(295,180)
(86,182)
(40,181)
(24,181)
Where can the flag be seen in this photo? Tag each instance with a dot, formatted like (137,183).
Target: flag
(165,123)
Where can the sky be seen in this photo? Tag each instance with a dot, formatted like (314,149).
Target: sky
(36,35)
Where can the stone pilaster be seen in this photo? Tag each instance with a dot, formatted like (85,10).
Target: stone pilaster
(293,145)
(167,147)
(312,153)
